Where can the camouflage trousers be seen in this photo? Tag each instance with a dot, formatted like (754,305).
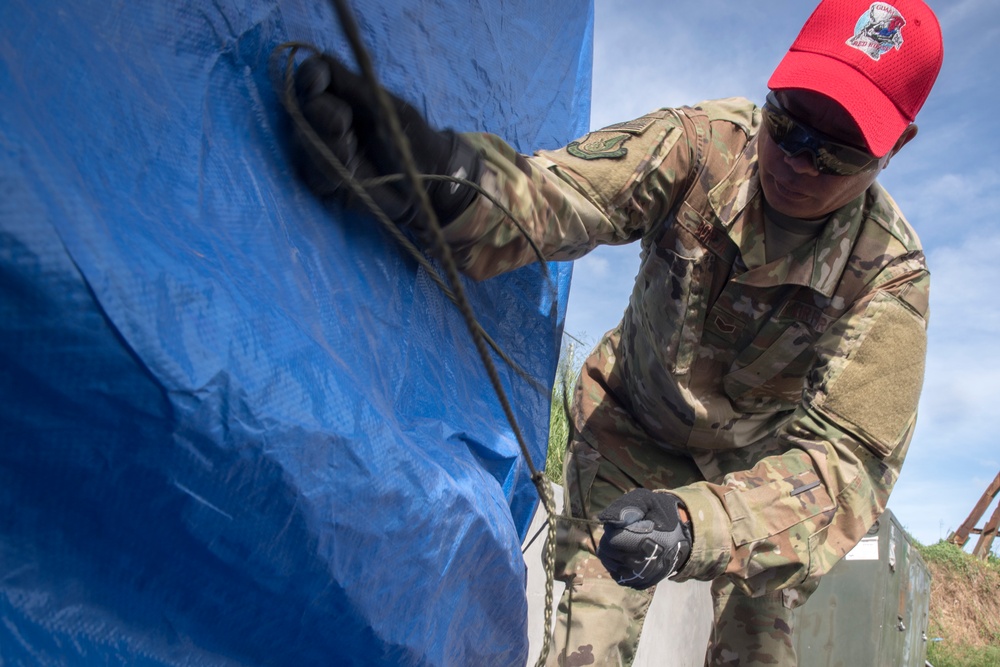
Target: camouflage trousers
(599,621)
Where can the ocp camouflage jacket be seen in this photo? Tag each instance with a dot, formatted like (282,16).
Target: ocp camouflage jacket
(792,385)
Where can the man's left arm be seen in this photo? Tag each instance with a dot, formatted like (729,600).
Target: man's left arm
(792,516)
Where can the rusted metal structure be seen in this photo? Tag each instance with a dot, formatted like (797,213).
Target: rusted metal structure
(987,532)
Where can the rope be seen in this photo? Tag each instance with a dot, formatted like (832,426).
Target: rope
(290,102)
(453,288)
(572,337)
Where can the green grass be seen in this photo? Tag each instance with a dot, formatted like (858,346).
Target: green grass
(562,395)
(941,654)
(558,438)
(978,584)
(958,560)
(950,556)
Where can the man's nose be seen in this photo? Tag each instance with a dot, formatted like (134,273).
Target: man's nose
(802,163)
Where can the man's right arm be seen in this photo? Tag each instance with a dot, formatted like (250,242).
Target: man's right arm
(565,203)
(609,187)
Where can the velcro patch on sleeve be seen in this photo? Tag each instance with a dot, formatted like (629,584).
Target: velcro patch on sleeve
(608,162)
(875,393)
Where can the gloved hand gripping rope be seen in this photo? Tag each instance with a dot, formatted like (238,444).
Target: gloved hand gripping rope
(645,539)
(344,112)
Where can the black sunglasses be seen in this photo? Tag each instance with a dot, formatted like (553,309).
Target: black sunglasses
(828,155)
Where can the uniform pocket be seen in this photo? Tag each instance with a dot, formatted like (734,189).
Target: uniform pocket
(764,373)
(669,304)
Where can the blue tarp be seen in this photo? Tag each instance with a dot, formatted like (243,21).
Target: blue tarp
(238,425)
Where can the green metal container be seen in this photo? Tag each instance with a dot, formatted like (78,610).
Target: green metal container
(871,609)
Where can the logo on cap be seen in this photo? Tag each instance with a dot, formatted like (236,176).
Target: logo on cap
(878,30)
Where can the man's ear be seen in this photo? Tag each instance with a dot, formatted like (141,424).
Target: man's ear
(906,137)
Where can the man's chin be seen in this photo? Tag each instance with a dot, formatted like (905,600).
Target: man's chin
(790,202)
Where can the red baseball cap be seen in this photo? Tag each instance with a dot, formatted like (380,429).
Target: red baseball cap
(878,60)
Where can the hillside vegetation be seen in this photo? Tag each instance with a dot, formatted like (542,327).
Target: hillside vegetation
(964,628)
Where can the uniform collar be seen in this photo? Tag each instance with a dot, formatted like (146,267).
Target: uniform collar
(737,202)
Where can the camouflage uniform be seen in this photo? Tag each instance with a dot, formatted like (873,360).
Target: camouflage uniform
(777,399)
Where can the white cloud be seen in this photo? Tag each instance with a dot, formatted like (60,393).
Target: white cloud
(602,284)
(957,15)
(946,206)
(650,54)
(594,266)
(964,282)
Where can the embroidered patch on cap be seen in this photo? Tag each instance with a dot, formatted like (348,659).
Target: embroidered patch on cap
(878,31)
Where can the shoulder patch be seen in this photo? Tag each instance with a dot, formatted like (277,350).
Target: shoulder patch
(600,145)
(609,142)
(637,126)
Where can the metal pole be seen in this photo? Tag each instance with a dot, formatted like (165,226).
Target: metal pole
(985,542)
(961,536)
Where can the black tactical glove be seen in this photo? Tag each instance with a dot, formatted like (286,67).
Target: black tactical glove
(644,539)
(344,112)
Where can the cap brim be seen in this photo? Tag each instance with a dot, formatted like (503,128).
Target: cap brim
(881,123)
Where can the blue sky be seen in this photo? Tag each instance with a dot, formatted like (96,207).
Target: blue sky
(650,54)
